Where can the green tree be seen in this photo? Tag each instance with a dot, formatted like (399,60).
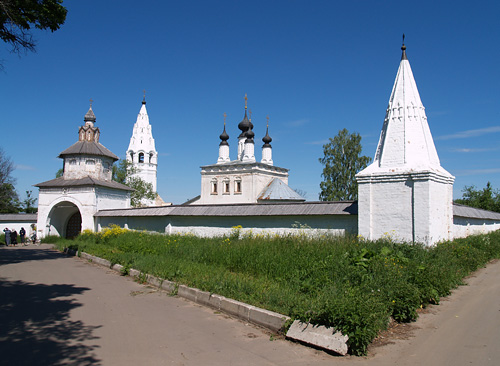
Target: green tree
(9,201)
(124,173)
(28,203)
(342,160)
(17,17)
(486,198)
(60,173)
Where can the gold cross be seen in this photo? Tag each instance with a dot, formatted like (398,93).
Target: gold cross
(225,115)
(144,93)
(250,113)
(267,120)
(91,102)
(246,100)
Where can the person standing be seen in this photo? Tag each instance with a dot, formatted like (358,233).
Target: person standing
(13,237)
(7,236)
(22,234)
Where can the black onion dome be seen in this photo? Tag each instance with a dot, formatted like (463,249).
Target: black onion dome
(267,139)
(249,135)
(90,116)
(244,125)
(224,137)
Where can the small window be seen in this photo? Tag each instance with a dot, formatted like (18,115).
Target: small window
(226,186)
(72,162)
(132,156)
(150,157)
(90,162)
(237,186)
(214,186)
(141,157)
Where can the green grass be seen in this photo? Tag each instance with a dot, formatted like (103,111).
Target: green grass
(355,286)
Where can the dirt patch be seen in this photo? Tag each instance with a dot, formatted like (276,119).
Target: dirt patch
(395,331)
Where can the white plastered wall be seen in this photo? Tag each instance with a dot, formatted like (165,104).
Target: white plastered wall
(412,207)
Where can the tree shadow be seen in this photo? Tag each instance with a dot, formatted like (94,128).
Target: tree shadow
(35,328)
(10,255)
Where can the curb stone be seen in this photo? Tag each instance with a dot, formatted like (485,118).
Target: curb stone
(252,314)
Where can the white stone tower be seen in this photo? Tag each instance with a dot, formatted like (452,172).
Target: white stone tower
(141,150)
(405,193)
(66,205)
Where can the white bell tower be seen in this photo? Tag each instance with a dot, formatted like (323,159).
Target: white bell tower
(141,150)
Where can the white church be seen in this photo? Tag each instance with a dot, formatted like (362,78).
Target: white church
(244,179)
(404,193)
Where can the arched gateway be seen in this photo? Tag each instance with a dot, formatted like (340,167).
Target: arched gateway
(66,205)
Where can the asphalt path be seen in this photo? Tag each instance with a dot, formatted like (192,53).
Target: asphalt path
(59,310)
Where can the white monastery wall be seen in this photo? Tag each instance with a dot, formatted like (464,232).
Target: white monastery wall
(208,226)
(16,222)
(465,226)
(107,198)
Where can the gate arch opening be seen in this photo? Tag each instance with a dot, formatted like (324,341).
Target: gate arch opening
(65,220)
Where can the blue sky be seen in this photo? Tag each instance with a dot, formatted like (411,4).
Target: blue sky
(314,67)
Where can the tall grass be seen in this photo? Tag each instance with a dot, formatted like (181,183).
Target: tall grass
(355,286)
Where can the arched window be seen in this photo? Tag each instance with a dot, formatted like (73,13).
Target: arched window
(150,157)
(132,155)
(141,157)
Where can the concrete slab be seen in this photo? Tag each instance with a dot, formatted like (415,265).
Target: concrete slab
(319,336)
(268,319)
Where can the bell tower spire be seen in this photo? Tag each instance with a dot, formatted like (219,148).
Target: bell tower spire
(141,150)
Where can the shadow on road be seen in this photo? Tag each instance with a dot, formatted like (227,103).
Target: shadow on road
(34,324)
(10,255)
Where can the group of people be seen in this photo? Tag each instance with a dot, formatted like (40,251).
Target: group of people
(11,237)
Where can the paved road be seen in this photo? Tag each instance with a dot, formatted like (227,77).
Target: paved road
(56,310)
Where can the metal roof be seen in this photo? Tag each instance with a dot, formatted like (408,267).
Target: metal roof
(88,148)
(87,181)
(279,190)
(18,217)
(253,209)
(475,213)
